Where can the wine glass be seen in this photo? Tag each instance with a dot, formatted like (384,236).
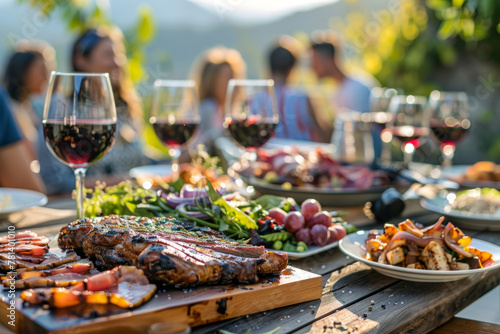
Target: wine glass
(409,122)
(449,121)
(380,97)
(174,115)
(251,114)
(79,122)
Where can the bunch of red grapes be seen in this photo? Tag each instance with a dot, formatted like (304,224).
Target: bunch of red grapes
(311,224)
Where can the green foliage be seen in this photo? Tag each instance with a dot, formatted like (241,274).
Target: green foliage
(403,44)
(121,199)
(136,41)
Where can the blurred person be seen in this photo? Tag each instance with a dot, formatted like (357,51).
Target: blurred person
(26,77)
(212,73)
(325,62)
(15,171)
(100,51)
(298,119)
(351,93)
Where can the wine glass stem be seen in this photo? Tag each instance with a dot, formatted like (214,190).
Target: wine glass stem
(408,157)
(385,154)
(251,156)
(448,153)
(175,153)
(80,191)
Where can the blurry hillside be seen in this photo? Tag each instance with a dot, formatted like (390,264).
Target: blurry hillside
(184,30)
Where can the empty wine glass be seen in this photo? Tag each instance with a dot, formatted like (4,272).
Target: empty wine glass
(251,114)
(380,97)
(174,114)
(409,122)
(79,122)
(352,138)
(449,121)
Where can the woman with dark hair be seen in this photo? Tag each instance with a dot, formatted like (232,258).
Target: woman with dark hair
(97,51)
(25,79)
(26,75)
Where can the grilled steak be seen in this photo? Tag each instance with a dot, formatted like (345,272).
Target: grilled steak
(169,251)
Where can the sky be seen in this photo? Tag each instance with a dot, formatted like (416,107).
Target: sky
(258,10)
(245,12)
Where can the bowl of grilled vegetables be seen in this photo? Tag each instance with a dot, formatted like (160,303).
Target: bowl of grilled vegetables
(409,251)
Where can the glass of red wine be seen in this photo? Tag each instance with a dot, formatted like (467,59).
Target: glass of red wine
(409,123)
(251,114)
(79,122)
(174,115)
(449,121)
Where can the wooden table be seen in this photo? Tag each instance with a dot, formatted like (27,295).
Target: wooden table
(355,298)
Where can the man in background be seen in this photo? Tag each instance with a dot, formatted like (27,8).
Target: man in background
(325,62)
(351,93)
(298,118)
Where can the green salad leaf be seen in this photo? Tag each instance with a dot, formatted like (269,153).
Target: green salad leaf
(231,212)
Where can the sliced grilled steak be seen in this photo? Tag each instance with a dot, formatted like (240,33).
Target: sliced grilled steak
(58,280)
(78,267)
(168,251)
(123,286)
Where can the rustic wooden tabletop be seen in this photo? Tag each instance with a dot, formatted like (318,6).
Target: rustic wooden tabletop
(355,298)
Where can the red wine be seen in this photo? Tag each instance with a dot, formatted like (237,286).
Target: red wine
(446,134)
(174,134)
(81,143)
(251,134)
(409,134)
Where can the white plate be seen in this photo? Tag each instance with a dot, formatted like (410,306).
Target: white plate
(20,199)
(330,198)
(454,173)
(311,250)
(353,245)
(473,221)
(301,145)
(150,171)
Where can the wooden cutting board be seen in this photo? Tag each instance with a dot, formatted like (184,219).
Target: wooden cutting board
(195,307)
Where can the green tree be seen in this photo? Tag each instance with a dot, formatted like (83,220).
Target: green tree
(404,44)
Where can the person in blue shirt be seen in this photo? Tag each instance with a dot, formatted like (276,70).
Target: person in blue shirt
(15,171)
(25,78)
(297,117)
(351,94)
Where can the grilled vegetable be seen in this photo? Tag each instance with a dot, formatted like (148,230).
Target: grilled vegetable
(434,257)
(434,247)
(396,256)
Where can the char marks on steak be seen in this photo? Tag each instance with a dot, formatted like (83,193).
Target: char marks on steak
(169,251)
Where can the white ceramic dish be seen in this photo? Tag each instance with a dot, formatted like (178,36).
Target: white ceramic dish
(353,245)
(473,221)
(150,171)
(19,199)
(329,198)
(454,173)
